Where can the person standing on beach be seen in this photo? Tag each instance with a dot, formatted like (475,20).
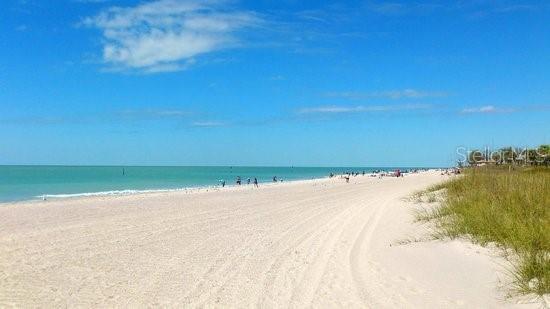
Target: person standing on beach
(239,180)
(248,181)
(255,182)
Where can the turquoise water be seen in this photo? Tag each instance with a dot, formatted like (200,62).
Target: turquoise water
(30,182)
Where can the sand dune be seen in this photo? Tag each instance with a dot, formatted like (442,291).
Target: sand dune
(321,243)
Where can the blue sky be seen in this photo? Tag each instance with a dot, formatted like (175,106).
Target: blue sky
(303,83)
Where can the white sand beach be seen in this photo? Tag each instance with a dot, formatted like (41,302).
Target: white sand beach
(319,243)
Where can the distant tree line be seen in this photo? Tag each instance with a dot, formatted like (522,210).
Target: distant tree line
(539,156)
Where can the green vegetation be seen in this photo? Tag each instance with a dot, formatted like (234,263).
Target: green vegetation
(507,206)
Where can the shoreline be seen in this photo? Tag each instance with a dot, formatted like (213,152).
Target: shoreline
(187,190)
(145,192)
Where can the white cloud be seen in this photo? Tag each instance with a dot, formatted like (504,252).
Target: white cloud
(166,35)
(149,114)
(406,7)
(208,124)
(361,109)
(392,94)
(488,109)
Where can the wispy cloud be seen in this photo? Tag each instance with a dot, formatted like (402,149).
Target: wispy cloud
(488,109)
(402,8)
(333,109)
(120,116)
(166,35)
(492,109)
(208,124)
(393,94)
(473,8)
(151,114)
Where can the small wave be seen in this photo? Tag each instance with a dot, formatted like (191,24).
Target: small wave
(115,192)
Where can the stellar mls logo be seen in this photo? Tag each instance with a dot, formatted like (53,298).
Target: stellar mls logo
(488,155)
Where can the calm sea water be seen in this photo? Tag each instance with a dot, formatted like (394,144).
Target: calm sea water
(31,182)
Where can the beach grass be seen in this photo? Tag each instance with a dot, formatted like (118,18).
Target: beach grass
(506,206)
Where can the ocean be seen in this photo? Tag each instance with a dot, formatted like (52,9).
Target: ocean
(18,183)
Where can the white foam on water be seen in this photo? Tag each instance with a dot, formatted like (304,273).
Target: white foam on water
(116,192)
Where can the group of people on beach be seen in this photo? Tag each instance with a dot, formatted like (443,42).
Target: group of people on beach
(376,173)
(349,173)
(346,175)
(239,181)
